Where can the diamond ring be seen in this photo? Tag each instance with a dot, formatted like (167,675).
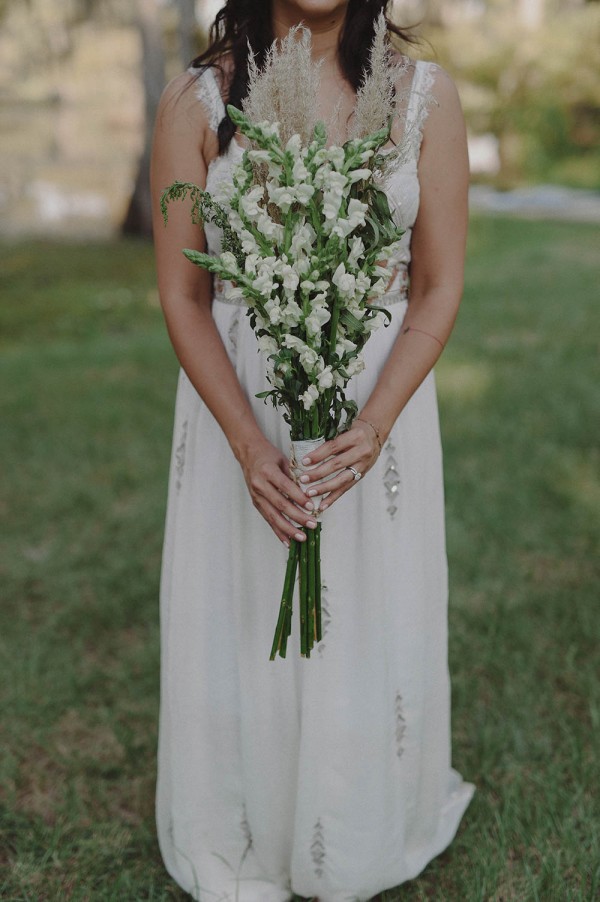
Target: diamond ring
(357,475)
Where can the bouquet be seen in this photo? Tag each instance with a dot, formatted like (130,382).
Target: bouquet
(305,228)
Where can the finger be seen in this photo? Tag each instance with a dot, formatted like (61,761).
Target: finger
(278,523)
(290,489)
(352,458)
(333,446)
(336,493)
(299,516)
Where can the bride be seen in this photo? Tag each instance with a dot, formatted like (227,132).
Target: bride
(328,778)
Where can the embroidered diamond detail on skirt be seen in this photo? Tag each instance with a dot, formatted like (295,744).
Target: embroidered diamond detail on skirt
(246,826)
(180,455)
(400,725)
(391,479)
(232,333)
(325,618)
(317,849)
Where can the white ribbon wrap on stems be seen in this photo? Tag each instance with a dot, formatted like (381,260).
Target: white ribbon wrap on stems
(300,450)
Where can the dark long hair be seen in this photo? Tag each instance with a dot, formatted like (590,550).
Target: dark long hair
(243,22)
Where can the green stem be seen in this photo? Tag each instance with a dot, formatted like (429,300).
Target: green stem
(303,596)
(311,594)
(285,609)
(318,626)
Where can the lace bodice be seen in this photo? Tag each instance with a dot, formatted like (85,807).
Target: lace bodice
(402,188)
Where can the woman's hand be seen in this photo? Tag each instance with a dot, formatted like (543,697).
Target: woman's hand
(357,448)
(275,494)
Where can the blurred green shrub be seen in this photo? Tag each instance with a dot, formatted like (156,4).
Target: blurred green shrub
(537,91)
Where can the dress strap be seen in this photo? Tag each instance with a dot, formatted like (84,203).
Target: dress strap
(420,100)
(208,93)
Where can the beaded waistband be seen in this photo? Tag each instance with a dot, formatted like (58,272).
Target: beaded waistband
(396,294)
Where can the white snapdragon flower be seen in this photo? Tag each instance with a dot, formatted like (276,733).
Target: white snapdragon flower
(267,344)
(376,322)
(355,366)
(336,183)
(344,346)
(289,277)
(357,250)
(229,262)
(292,314)
(363,284)
(299,172)
(303,193)
(344,281)
(309,359)
(294,146)
(357,212)
(249,243)
(302,265)
(235,221)
(251,264)
(264,282)
(259,156)
(302,239)
(310,396)
(325,379)
(378,288)
(336,155)
(355,309)
(391,249)
(233,292)
(342,228)
(250,202)
(270,129)
(316,319)
(282,197)
(356,175)
(293,342)
(269,229)
(274,311)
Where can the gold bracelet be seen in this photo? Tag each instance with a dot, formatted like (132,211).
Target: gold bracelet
(374,428)
(414,329)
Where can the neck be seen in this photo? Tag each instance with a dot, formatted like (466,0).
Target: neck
(325,27)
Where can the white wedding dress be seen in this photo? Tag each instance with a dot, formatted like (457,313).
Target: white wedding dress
(327,777)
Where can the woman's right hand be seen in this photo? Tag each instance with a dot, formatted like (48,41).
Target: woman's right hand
(275,494)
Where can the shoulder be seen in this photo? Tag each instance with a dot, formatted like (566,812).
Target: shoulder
(184,126)
(179,104)
(439,86)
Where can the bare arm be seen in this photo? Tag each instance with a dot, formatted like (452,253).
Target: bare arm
(183,142)
(437,264)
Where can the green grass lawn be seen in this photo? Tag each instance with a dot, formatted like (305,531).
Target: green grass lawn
(88,381)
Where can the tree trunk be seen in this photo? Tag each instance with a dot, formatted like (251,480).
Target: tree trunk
(186,29)
(138,220)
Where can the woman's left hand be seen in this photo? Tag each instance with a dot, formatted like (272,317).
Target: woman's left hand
(357,448)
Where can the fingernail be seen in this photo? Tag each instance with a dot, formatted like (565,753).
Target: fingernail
(323,507)
(286,543)
(309,506)
(305,460)
(305,479)
(312,524)
(300,537)
(311,493)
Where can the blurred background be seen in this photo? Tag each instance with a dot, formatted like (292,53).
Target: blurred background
(80,80)
(87,386)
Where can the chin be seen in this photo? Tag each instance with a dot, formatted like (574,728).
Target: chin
(313,9)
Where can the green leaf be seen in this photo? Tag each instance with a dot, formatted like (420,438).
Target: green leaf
(383,310)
